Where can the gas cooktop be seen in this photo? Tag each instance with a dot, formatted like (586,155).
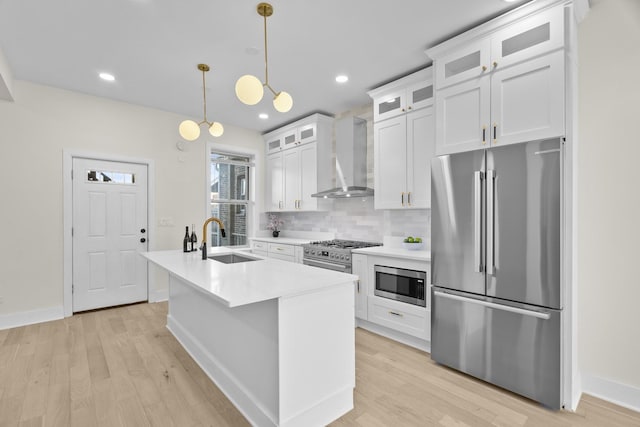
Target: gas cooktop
(343,244)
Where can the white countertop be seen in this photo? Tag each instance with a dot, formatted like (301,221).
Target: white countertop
(282,240)
(395,252)
(246,282)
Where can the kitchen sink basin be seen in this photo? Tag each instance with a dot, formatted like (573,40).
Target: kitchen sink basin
(231,258)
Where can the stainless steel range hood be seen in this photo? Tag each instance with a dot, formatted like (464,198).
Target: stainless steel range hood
(351,160)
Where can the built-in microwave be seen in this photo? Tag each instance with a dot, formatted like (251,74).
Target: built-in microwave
(400,284)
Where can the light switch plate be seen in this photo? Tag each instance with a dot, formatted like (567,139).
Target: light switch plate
(166,221)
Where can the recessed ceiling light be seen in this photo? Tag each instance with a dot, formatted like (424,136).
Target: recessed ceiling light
(263,116)
(342,78)
(508,1)
(106,76)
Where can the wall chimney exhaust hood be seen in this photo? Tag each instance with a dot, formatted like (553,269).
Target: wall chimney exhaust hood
(351,160)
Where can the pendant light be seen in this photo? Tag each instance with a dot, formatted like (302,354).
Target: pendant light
(249,89)
(189,129)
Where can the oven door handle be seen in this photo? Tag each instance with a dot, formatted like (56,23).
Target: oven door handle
(323,264)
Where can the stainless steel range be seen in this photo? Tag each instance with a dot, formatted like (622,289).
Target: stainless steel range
(333,254)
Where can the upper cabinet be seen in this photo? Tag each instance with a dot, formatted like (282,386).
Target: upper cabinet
(401,98)
(501,83)
(404,142)
(298,163)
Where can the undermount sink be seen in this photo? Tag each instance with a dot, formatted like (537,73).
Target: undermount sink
(231,258)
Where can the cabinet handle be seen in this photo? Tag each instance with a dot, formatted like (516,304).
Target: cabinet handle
(495,127)
(495,64)
(408,108)
(396,314)
(279,249)
(358,285)
(484,134)
(484,68)
(402,110)
(402,198)
(409,198)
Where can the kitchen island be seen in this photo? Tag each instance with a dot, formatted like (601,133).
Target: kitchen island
(276,337)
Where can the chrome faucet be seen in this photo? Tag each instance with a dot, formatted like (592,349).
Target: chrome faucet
(204,234)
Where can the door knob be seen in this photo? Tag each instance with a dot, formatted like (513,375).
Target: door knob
(142,240)
(142,230)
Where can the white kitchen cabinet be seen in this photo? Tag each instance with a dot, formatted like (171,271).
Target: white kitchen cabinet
(301,167)
(283,251)
(392,315)
(402,96)
(404,142)
(260,248)
(527,100)
(293,179)
(404,146)
(411,320)
(275,182)
(501,86)
(359,268)
(274,143)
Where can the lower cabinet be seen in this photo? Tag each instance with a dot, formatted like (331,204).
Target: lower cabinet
(409,319)
(359,268)
(285,252)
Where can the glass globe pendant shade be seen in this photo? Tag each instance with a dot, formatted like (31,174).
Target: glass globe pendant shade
(189,130)
(216,129)
(283,102)
(249,89)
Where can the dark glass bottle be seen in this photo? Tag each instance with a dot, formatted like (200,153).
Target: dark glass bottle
(194,239)
(186,242)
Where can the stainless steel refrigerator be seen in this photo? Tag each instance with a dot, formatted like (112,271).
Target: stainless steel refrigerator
(496,266)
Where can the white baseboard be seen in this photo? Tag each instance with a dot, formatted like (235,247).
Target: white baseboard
(158,296)
(24,318)
(409,340)
(621,394)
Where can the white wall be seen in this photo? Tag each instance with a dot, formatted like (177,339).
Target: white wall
(35,129)
(609,200)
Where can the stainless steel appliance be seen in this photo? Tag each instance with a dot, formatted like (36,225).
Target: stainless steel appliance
(400,284)
(496,238)
(351,160)
(332,254)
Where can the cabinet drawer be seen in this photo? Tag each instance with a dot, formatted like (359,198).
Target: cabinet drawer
(259,246)
(411,321)
(283,257)
(278,249)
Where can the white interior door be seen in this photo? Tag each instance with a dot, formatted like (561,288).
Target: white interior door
(109,229)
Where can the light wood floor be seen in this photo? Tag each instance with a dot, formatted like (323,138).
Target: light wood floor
(121,367)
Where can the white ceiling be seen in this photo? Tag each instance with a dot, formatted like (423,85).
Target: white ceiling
(153,47)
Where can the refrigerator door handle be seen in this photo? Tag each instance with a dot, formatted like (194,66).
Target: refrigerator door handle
(522,311)
(490,221)
(477,222)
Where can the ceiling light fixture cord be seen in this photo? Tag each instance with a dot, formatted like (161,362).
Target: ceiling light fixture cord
(204,97)
(266,56)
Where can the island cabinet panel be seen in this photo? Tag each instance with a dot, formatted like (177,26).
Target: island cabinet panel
(317,358)
(287,361)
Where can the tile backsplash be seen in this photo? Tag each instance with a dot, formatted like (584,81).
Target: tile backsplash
(357,220)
